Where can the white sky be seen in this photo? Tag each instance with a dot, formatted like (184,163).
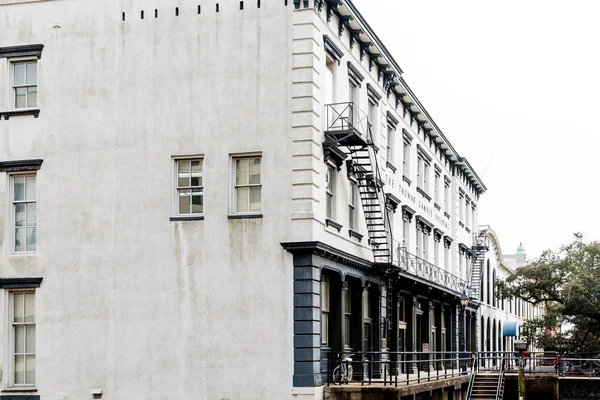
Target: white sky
(515,83)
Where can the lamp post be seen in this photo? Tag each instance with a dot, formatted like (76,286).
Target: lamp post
(464,302)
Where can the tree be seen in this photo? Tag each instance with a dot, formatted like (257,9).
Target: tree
(567,283)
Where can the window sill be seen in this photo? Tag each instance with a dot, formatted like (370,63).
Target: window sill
(19,389)
(244,216)
(405,179)
(355,234)
(428,197)
(16,113)
(330,222)
(390,166)
(190,218)
(437,206)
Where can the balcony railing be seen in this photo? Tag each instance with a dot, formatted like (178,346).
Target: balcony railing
(348,124)
(424,269)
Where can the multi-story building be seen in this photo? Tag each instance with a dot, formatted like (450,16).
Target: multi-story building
(224,194)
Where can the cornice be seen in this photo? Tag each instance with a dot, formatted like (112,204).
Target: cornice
(319,248)
(20,165)
(355,74)
(20,283)
(22,51)
(332,49)
(374,96)
(392,120)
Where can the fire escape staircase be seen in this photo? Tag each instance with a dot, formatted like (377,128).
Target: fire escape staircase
(479,250)
(349,128)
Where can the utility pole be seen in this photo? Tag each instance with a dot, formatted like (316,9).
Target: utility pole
(521,346)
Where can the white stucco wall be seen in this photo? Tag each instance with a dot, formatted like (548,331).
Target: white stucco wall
(131,302)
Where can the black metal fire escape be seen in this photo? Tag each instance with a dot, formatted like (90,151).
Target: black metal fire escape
(479,249)
(350,129)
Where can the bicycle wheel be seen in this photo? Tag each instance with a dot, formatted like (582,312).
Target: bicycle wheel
(337,375)
(349,378)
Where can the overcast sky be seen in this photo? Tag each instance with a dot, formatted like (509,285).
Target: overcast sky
(515,86)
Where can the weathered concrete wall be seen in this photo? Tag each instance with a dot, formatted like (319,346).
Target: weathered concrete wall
(131,302)
(540,387)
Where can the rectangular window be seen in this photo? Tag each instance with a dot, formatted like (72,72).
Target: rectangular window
(325,304)
(446,257)
(425,246)
(190,190)
(461,208)
(24,212)
(248,186)
(390,145)
(353,98)
(330,190)
(436,252)
(473,219)
(436,188)
(420,175)
(467,215)
(405,233)
(447,198)
(425,177)
(406,159)
(352,206)
(366,308)
(347,316)
(24,75)
(419,247)
(22,346)
(460,265)
(373,121)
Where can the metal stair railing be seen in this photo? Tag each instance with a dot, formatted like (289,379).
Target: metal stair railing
(500,386)
(474,367)
(479,250)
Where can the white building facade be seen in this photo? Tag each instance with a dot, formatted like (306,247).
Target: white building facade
(185,209)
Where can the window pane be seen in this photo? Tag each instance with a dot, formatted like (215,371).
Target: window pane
(32,96)
(31,239)
(30,370)
(19,307)
(242,199)
(329,206)
(255,171)
(183,168)
(19,74)
(30,188)
(255,196)
(197,201)
(20,214)
(184,201)
(197,173)
(29,307)
(21,97)
(19,370)
(30,344)
(32,73)
(19,189)
(241,171)
(31,213)
(20,239)
(20,339)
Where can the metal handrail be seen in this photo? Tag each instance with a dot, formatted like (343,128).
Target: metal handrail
(473,375)
(346,116)
(424,269)
(500,378)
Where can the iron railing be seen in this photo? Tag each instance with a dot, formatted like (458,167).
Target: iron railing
(347,117)
(535,362)
(424,269)
(398,368)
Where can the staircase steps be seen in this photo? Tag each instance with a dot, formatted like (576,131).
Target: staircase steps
(485,386)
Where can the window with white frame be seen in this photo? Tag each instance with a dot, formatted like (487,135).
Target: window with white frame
(22,338)
(24,82)
(461,208)
(406,159)
(446,257)
(436,252)
(473,219)
(405,233)
(419,247)
(390,145)
(325,307)
(24,212)
(425,245)
(190,189)
(467,214)
(247,185)
(420,174)
(447,197)
(425,177)
(436,188)
(347,317)
(352,205)
(330,191)
(372,115)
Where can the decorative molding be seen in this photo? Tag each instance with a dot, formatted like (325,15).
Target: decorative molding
(331,152)
(392,120)
(20,283)
(372,93)
(354,74)
(405,179)
(461,224)
(20,396)
(446,215)
(330,222)
(17,113)
(425,195)
(461,192)
(447,180)
(424,223)
(244,216)
(20,165)
(447,241)
(332,49)
(423,153)
(390,166)
(438,169)
(407,213)
(437,206)
(462,248)
(407,136)
(437,234)
(354,36)
(355,234)
(328,252)
(343,20)
(22,51)
(364,48)
(392,201)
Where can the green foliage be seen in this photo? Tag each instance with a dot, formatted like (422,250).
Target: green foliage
(568,284)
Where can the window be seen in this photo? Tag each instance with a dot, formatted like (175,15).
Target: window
(420,172)
(436,188)
(248,187)
(461,200)
(347,316)
(436,252)
(22,346)
(372,120)
(353,98)
(419,247)
(425,177)
(446,257)
(366,305)
(325,307)
(406,159)
(24,212)
(351,205)
(330,190)
(467,212)
(473,219)
(425,245)
(190,190)
(405,233)
(24,75)
(390,145)
(447,198)
(460,265)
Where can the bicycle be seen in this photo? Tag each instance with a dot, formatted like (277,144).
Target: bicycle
(343,372)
